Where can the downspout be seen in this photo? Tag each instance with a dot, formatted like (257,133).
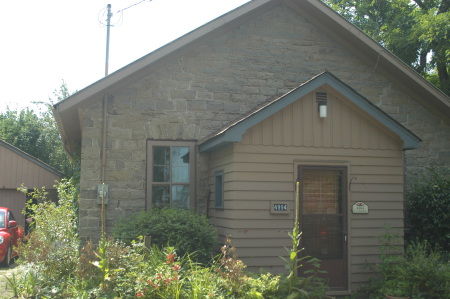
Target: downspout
(103,162)
(104,127)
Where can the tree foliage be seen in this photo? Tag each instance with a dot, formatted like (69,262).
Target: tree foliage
(427,203)
(36,133)
(417,31)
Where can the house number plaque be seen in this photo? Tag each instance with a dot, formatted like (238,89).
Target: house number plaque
(360,208)
(279,207)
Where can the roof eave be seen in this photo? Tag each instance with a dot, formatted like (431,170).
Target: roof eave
(32,159)
(235,131)
(374,53)
(69,107)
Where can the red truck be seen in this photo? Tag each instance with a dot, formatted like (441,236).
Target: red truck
(10,233)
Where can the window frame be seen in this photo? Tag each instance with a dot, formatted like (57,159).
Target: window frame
(219,197)
(192,166)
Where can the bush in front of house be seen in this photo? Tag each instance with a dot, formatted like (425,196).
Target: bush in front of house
(417,272)
(188,231)
(50,251)
(427,206)
(53,265)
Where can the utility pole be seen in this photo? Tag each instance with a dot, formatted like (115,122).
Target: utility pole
(108,25)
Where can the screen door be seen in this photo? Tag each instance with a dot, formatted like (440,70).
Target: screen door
(323,199)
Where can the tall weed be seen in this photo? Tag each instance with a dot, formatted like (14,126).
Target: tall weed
(52,246)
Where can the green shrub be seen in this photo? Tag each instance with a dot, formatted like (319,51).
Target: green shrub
(428,271)
(187,231)
(51,249)
(420,272)
(428,199)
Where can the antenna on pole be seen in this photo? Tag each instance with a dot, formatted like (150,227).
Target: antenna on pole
(108,25)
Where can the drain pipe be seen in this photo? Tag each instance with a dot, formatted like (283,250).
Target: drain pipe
(102,189)
(103,162)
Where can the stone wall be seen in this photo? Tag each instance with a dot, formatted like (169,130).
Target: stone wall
(220,80)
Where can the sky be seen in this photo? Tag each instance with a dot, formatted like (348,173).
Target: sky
(44,43)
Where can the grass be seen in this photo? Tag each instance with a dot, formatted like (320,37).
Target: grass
(4,273)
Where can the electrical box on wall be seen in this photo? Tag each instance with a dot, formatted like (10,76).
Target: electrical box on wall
(102,192)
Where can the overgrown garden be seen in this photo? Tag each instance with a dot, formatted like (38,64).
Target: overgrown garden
(54,265)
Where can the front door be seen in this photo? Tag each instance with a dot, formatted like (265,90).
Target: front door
(323,219)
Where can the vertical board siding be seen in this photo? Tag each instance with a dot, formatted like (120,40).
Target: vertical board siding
(344,127)
(262,169)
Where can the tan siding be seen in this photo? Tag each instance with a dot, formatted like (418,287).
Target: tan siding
(256,175)
(15,170)
(238,195)
(342,128)
(262,168)
(15,201)
(248,224)
(258,234)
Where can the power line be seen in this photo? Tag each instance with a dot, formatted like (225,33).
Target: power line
(137,3)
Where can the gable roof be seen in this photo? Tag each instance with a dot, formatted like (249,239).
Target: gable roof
(31,158)
(234,131)
(67,111)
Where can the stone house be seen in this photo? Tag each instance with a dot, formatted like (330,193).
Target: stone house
(227,118)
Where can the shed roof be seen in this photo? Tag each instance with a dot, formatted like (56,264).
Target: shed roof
(234,131)
(67,111)
(31,158)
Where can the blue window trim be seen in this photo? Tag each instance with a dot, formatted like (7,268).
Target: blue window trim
(218,189)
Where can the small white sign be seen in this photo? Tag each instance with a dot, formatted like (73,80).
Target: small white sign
(360,208)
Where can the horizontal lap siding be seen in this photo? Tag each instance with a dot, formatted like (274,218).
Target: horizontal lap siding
(255,176)
(263,168)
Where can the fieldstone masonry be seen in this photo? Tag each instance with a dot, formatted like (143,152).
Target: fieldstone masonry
(202,90)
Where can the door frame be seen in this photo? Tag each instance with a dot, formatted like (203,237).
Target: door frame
(345,166)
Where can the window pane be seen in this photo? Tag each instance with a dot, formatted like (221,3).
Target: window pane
(161,164)
(180,197)
(180,164)
(161,196)
(2,219)
(180,174)
(219,190)
(180,156)
(161,174)
(321,191)
(161,155)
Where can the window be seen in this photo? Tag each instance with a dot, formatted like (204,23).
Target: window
(218,190)
(170,171)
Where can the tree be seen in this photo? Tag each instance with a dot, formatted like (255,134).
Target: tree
(36,133)
(427,202)
(417,31)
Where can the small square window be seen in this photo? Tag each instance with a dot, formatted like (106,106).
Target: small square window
(218,193)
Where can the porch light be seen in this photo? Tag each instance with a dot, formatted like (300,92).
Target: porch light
(323,110)
(321,100)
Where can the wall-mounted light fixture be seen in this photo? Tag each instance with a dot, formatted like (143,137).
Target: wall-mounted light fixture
(321,100)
